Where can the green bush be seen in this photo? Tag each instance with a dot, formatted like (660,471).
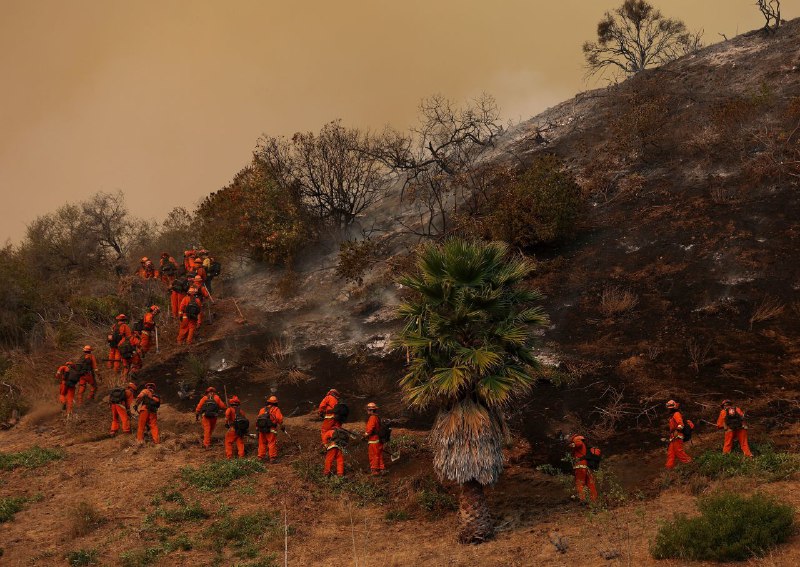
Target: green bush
(219,474)
(364,488)
(730,528)
(768,465)
(100,310)
(82,557)
(540,207)
(32,458)
(139,557)
(243,531)
(10,506)
(185,513)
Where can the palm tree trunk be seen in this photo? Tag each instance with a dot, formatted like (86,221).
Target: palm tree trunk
(476,522)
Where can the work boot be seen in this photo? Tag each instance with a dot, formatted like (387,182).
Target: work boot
(63,407)
(274,460)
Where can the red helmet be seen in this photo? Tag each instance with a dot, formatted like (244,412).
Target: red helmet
(576,438)
(372,406)
(145,259)
(155,308)
(333,392)
(234,401)
(726,403)
(131,385)
(69,363)
(210,390)
(672,404)
(121,317)
(272,400)
(87,348)
(197,261)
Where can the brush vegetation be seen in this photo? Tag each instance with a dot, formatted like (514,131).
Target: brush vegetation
(32,458)
(219,474)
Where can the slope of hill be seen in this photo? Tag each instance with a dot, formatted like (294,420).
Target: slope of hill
(681,282)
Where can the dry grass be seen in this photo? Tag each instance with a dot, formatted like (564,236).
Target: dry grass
(371,384)
(83,519)
(698,354)
(615,301)
(278,349)
(769,308)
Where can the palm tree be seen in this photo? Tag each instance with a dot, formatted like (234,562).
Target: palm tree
(468,332)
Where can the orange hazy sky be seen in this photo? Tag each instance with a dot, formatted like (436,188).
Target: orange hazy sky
(165,99)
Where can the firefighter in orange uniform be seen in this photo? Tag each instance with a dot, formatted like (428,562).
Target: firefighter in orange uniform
(167,268)
(235,435)
(119,331)
(676,435)
(121,399)
(89,376)
(61,376)
(333,451)
(731,418)
(198,269)
(188,313)
(148,328)
(583,475)
(325,411)
(188,259)
(374,445)
(208,409)
(270,419)
(71,381)
(178,290)
(146,269)
(147,404)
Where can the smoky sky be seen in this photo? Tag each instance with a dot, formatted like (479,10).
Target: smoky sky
(165,100)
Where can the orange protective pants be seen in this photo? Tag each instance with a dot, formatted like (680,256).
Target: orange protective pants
(86,379)
(62,393)
(267,442)
(146,418)
(332,455)
(230,439)
(375,451)
(585,479)
(739,435)
(209,423)
(327,425)
(114,359)
(119,415)
(675,451)
(186,331)
(175,303)
(144,345)
(69,399)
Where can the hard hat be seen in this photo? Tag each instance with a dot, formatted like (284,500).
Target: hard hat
(87,348)
(148,263)
(155,308)
(131,385)
(272,400)
(69,363)
(672,404)
(197,261)
(121,317)
(333,392)
(150,386)
(192,290)
(210,389)
(145,259)
(726,403)
(576,438)
(235,401)
(198,278)
(372,406)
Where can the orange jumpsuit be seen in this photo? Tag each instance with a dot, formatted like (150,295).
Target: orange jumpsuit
(148,327)
(269,441)
(188,260)
(675,449)
(114,357)
(188,326)
(333,454)
(325,410)
(739,435)
(61,376)
(147,417)
(375,447)
(135,361)
(175,299)
(168,273)
(583,475)
(88,378)
(209,423)
(231,437)
(120,414)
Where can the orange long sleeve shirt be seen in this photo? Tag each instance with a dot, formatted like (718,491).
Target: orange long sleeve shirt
(220,404)
(373,425)
(676,425)
(327,404)
(721,418)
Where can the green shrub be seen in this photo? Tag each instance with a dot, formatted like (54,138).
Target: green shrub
(10,506)
(540,207)
(364,488)
(182,543)
(186,513)
(82,557)
(270,560)
(139,557)
(436,500)
(397,516)
(219,474)
(730,528)
(243,531)
(100,310)
(768,465)
(29,458)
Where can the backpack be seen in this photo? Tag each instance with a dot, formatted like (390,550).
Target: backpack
(593,458)
(73,376)
(192,310)
(210,408)
(339,437)
(688,428)
(733,420)
(138,326)
(240,424)
(341,412)
(214,269)
(264,421)
(180,286)
(168,269)
(117,396)
(126,350)
(152,404)
(384,432)
(115,337)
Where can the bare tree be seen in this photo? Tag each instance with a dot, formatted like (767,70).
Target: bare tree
(771,10)
(106,220)
(439,160)
(337,178)
(637,36)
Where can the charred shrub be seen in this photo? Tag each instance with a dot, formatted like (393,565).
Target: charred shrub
(730,527)
(355,256)
(541,206)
